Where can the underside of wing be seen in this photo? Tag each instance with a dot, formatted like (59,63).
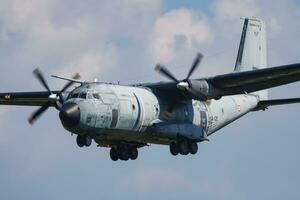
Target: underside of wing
(25,98)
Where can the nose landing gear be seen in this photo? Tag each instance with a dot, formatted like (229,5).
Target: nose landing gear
(83,140)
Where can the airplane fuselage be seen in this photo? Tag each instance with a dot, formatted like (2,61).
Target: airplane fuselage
(112,113)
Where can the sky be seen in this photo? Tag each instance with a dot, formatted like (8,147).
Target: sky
(255,157)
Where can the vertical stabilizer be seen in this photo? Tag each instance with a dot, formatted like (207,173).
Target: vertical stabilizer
(252,52)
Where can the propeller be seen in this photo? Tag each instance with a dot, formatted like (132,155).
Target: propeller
(195,65)
(164,71)
(183,84)
(53,98)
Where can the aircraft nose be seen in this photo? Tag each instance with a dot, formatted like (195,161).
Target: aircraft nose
(70,114)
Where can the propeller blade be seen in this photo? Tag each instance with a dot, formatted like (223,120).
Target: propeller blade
(70,83)
(164,71)
(41,78)
(38,113)
(195,65)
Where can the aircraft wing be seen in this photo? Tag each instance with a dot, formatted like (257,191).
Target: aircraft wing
(255,80)
(262,105)
(25,98)
(240,82)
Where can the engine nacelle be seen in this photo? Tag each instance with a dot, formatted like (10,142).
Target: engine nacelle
(202,90)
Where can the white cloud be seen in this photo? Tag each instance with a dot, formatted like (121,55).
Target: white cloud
(234,9)
(92,64)
(279,17)
(23,14)
(176,32)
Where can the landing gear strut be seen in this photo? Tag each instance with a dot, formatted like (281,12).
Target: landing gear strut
(183,147)
(83,140)
(123,152)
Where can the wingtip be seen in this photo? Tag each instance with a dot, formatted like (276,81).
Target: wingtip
(31,121)
(36,71)
(158,67)
(76,76)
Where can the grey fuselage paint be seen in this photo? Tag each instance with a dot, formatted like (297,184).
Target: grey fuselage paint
(136,114)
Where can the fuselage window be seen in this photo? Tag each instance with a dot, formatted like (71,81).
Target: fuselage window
(90,96)
(96,96)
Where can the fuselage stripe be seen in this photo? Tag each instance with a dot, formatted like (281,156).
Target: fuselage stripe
(139,112)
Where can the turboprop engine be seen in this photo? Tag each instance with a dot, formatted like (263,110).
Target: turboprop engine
(196,89)
(199,89)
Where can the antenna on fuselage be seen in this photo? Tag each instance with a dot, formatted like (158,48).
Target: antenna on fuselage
(68,79)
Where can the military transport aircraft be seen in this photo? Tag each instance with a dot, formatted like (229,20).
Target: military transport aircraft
(180,113)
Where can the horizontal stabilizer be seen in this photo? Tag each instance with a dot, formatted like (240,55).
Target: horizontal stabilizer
(262,105)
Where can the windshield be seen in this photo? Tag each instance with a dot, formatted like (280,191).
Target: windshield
(84,95)
(73,95)
(77,95)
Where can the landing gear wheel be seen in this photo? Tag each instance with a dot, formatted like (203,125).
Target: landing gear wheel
(123,153)
(133,153)
(113,154)
(193,147)
(183,147)
(174,148)
(80,140)
(88,141)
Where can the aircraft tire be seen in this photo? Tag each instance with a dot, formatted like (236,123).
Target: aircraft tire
(193,147)
(174,148)
(133,154)
(123,153)
(113,154)
(88,141)
(80,140)
(124,156)
(183,147)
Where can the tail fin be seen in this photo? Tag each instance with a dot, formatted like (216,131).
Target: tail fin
(252,52)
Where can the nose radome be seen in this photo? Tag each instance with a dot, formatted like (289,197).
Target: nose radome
(70,114)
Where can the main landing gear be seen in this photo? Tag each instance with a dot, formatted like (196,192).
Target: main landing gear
(183,147)
(83,140)
(123,152)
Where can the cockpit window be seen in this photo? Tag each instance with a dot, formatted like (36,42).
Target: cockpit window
(82,95)
(73,95)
